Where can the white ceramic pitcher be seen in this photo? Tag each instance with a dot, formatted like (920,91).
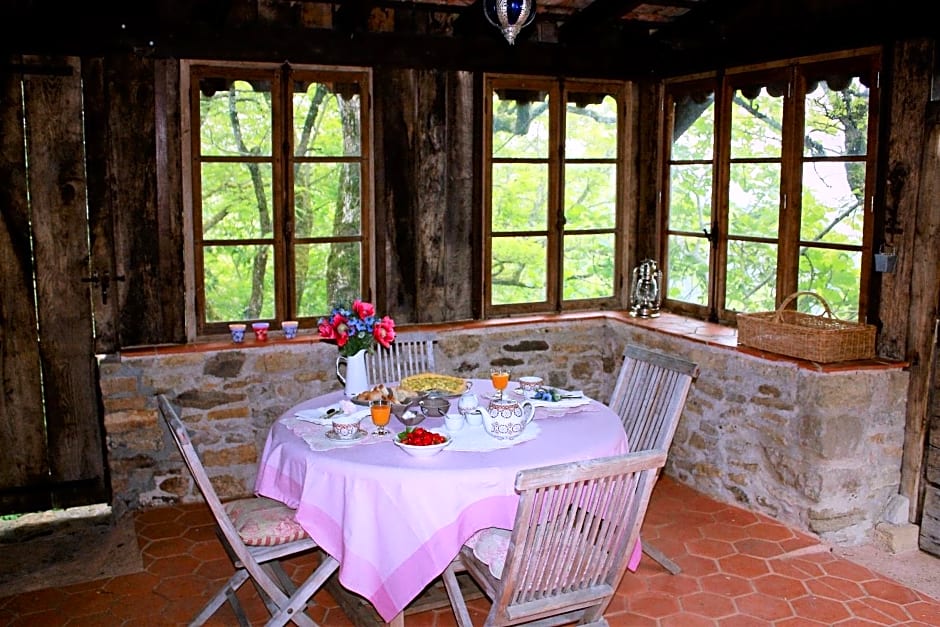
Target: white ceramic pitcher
(356,378)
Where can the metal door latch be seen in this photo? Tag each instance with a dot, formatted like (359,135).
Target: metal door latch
(103,281)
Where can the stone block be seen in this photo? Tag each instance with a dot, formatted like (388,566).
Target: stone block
(897,538)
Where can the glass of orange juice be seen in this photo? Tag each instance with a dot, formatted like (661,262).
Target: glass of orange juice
(381,412)
(499,375)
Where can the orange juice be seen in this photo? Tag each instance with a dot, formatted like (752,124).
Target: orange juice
(500,380)
(381,413)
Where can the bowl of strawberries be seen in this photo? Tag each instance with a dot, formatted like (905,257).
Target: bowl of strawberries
(421,442)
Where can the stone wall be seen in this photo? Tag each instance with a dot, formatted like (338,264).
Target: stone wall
(820,451)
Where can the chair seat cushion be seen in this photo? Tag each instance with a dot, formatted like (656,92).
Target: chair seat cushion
(490,547)
(262,521)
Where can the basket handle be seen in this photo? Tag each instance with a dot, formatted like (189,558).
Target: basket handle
(791,297)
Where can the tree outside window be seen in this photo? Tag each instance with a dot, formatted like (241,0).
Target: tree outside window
(553,194)
(280,169)
(770,184)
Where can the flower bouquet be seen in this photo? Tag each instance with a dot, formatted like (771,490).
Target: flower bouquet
(355,328)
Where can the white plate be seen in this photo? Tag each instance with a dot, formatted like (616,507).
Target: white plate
(359,435)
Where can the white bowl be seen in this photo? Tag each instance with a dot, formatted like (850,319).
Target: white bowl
(423,451)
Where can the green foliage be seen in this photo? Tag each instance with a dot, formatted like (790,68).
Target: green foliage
(239,207)
(832,207)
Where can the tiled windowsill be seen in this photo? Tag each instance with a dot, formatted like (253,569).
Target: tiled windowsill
(692,329)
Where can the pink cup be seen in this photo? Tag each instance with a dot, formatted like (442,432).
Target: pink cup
(261,330)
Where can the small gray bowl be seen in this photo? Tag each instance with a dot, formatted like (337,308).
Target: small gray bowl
(434,406)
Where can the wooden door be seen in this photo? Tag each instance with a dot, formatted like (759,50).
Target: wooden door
(50,409)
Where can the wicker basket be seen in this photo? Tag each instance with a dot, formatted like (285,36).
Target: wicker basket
(821,338)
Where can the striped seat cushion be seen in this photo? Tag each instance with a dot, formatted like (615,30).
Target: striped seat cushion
(262,521)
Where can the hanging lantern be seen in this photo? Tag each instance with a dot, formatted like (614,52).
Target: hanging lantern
(644,290)
(509,16)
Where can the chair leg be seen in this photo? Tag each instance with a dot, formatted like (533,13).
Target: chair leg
(227,593)
(294,609)
(457,602)
(660,557)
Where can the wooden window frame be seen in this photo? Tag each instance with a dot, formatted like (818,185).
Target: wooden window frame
(558,90)
(282,160)
(792,160)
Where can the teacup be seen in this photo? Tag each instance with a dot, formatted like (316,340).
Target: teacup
(346,426)
(453,422)
(290,329)
(529,385)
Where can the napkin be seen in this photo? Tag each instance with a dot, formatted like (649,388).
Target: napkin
(317,415)
(476,439)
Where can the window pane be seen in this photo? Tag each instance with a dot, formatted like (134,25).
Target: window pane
(836,118)
(235,120)
(590,196)
(520,124)
(520,197)
(326,274)
(833,274)
(690,197)
(327,122)
(688,269)
(589,266)
(756,123)
(231,293)
(327,199)
(754,199)
(752,276)
(519,270)
(693,133)
(236,200)
(591,126)
(833,202)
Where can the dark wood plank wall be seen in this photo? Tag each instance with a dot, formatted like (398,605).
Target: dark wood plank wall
(22,439)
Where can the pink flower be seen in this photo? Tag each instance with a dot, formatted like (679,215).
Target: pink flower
(362,309)
(384,332)
(326,330)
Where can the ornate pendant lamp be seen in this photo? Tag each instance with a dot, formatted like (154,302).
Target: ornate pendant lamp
(509,16)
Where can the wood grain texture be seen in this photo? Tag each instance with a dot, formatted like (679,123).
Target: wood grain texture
(22,433)
(53,109)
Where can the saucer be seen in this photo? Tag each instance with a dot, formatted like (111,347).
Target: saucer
(359,435)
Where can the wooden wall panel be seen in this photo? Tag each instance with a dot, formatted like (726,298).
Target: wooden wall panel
(22,433)
(53,107)
(424,194)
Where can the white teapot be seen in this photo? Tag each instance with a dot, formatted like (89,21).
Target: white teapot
(506,419)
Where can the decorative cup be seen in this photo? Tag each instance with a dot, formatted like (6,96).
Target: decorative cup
(453,422)
(290,329)
(529,385)
(261,330)
(474,418)
(346,426)
(238,332)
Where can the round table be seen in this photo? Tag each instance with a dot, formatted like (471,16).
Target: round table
(393,521)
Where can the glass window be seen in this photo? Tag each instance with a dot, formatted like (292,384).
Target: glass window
(553,194)
(767,188)
(278,232)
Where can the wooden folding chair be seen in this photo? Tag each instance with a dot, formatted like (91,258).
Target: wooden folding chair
(256,533)
(649,396)
(411,353)
(575,528)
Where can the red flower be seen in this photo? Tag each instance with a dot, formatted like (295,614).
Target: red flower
(384,331)
(363,310)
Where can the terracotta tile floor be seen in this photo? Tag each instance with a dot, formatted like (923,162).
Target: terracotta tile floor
(738,568)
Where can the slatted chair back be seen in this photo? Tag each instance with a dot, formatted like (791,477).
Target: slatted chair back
(649,396)
(284,600)
(410,353)
(575,528)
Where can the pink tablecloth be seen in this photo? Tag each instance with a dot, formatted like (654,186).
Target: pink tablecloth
(395,522)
